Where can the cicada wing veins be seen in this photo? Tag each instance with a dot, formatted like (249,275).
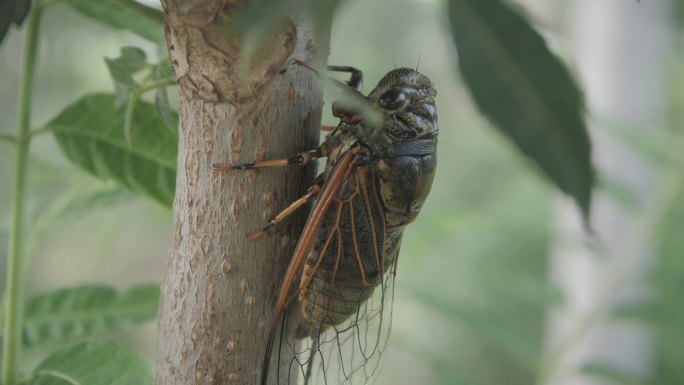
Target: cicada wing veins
(341,170)
(353,351)
(346,289)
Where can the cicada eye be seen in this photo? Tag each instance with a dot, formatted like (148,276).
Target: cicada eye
(393,99)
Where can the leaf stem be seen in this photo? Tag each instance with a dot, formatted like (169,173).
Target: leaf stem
(8,138)
(128,117)
(13,292)
(147,11)
(39,131)
(155,84)
(133,99)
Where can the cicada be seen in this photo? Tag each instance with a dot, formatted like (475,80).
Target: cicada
(377,177)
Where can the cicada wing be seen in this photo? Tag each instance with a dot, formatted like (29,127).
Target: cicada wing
(353,351)
(334,181)
(348,289)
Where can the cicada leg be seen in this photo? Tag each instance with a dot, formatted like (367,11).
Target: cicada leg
(355,81)
(313,191)
(300,159)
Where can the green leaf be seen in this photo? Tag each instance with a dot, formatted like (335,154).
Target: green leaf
(90,132)
(525,91)
(12,12)
(166,114)
(260,15)
(93,363)
(67,314)
(485,326)
(611,374)
(83,200)
(144,21)
(71,205)
(255,22)
(161,98)
(679,4)
(122,69)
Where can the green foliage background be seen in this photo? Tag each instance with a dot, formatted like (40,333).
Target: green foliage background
(472,287)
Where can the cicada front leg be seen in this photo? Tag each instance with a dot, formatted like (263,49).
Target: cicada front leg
(355,79)
(356,75)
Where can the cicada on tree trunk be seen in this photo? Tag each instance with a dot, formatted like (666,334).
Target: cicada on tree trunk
(340,279)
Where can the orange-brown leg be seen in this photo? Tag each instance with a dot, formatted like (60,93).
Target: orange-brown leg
(300,159)
(313,191)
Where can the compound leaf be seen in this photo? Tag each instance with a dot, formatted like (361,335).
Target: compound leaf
(146,22)
(66,314)
(93,363)
(90,132)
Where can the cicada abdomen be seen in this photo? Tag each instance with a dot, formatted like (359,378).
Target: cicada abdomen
(377,177)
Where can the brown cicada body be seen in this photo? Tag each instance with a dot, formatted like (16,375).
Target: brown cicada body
(377,177)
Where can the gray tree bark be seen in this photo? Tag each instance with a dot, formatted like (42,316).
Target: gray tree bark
(218,295)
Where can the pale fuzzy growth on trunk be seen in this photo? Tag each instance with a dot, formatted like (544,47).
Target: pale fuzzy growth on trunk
(219,291)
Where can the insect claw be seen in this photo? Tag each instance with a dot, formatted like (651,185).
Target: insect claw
(255,235)
(222,168)
(301,63)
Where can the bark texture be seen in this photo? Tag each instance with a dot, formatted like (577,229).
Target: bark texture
(219,291)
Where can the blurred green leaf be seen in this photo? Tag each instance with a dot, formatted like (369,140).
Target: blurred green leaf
(612,374)
(93,363)
(68,314)
(12,12)
(90,132)
(525,91)
(257,20)
(665,313)
(617,190)
(72,205)
(122,69)
(261,15)
(86,199)
(166,114)
(486,326)
(679,4)
(142,20)
(161,98)
(648,142)
(128,90)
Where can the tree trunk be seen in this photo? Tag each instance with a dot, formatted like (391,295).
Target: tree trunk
(219,292)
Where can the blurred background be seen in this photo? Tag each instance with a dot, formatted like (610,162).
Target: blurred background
(498,281)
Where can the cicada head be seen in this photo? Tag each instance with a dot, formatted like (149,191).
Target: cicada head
(407,99)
